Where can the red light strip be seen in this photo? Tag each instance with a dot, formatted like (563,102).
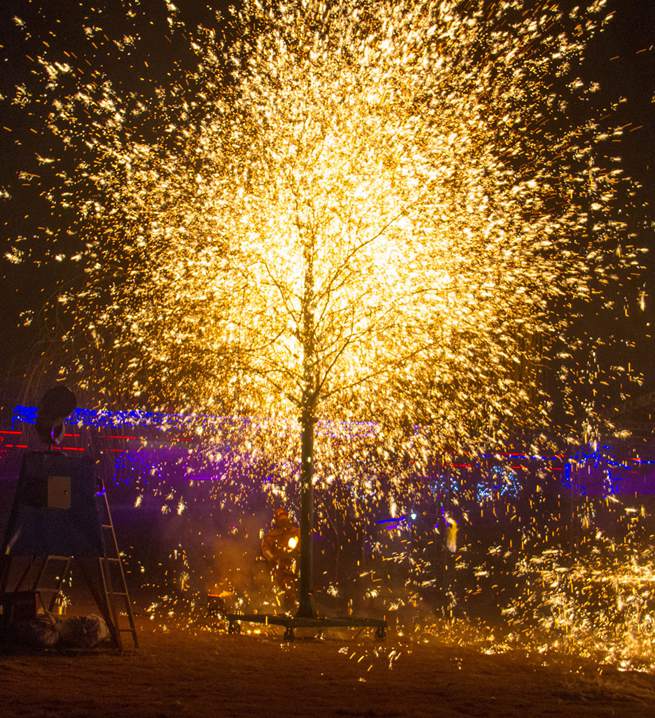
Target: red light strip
(63,448)
(11,433)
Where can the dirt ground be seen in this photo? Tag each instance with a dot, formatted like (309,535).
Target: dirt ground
(178,673)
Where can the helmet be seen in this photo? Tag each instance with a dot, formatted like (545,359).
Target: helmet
(281,514)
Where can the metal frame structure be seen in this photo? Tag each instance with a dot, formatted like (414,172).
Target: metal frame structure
(35,577)
(317,623)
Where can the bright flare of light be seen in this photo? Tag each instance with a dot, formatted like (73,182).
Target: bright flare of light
(382,207)
(292,542)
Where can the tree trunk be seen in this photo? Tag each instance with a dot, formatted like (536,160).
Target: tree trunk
(308,422)
(306,607)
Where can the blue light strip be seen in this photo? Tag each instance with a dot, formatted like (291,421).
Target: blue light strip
(180,422)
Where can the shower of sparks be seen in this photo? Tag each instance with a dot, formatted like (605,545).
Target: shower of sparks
(392,211)
(386,206)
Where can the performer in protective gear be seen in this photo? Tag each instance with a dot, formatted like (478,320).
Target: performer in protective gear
(279,547)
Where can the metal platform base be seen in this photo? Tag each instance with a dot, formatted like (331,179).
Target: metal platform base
(290,623)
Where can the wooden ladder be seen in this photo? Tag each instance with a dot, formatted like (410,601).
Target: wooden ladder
(112,574)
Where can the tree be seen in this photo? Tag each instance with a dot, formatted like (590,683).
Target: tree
(347,210)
